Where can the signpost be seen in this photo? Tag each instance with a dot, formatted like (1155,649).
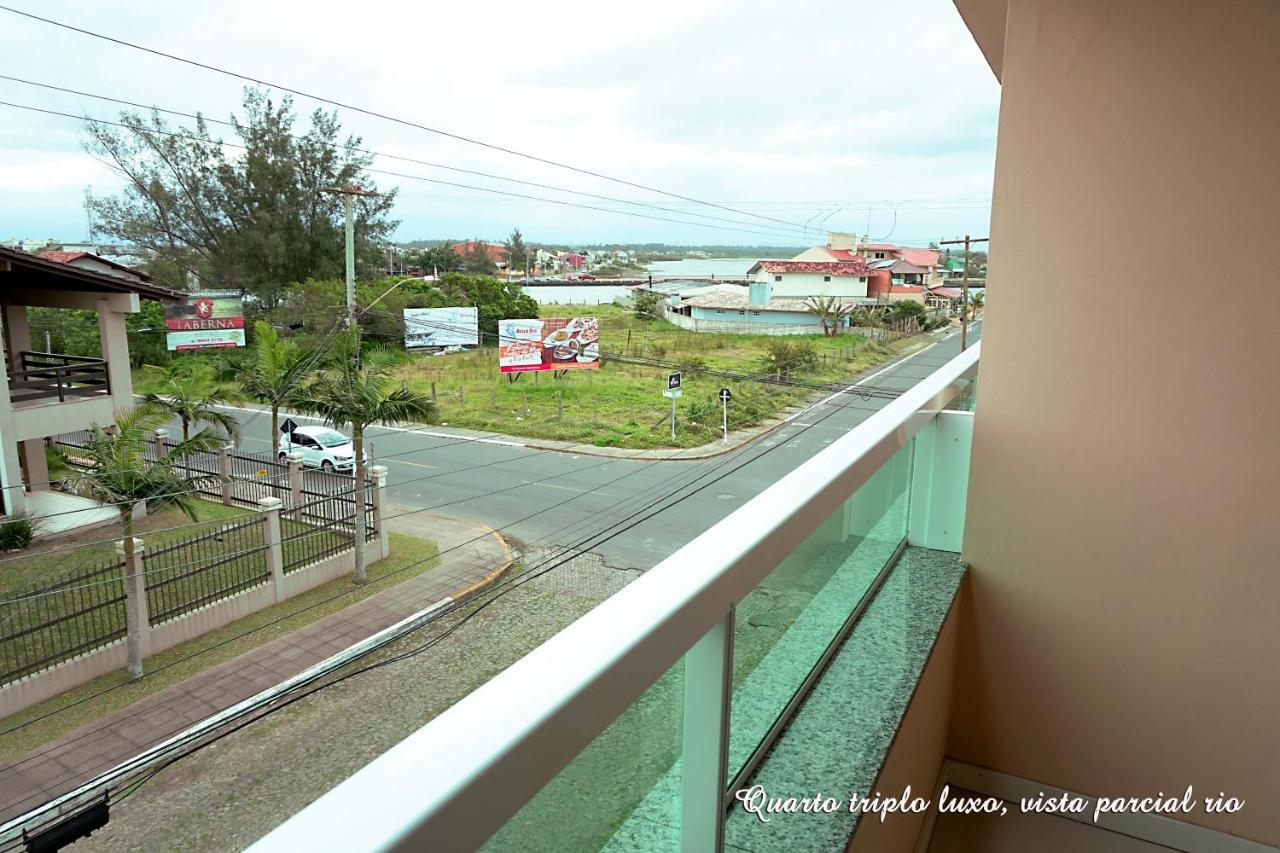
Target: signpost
(725,397)
(288,426)
(673,391)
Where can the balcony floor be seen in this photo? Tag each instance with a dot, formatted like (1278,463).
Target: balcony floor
(1016,832)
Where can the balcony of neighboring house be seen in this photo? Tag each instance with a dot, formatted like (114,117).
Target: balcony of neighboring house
(47,393)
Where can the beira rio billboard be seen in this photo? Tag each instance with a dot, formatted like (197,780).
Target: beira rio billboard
(561,343)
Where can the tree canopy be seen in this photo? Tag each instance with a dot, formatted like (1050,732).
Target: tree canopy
(256,219)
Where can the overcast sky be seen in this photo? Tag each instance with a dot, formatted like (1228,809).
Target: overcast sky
(806,112)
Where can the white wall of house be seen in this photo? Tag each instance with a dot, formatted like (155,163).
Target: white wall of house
(814,284)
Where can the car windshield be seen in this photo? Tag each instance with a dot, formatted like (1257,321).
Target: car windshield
(331,438)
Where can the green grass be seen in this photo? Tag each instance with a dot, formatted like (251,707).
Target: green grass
(620,404)
(52,558)
(410,557)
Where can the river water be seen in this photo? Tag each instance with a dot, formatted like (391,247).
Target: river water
(598,294)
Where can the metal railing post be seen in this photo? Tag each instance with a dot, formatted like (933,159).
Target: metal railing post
(378,474)
(708,679)
(224,471)
(274,542)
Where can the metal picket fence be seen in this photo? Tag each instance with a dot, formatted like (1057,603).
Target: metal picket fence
(186,575)
(72,614)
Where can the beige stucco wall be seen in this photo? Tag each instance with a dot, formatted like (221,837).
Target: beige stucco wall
(1124,506)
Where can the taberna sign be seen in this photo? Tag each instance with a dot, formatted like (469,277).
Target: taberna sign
(205,320)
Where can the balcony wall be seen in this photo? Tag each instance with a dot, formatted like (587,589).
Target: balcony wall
(1124,501)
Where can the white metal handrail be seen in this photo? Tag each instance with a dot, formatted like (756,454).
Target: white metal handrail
(457,780)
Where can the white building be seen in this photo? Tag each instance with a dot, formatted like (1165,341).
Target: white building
(813,278)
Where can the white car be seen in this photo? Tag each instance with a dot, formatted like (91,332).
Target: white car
(320,447)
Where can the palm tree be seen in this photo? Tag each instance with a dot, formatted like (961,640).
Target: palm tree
(275,370)
(120,474)
(357,390)
(830,311)
(192,396)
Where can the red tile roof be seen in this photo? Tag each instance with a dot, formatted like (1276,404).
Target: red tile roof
(68,257)
(62,257)
(857,267)
(920,257)
(949,292)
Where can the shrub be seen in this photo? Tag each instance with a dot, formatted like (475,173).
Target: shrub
(657,350)
(17,531)
(692,365)
(646,305)
(785,356)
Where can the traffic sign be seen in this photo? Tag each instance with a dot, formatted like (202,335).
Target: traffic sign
(673,393)
(288,425)
(725,395)
(673,380)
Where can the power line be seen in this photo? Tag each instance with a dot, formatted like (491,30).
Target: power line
(201,117)
(189,135)
(386,117)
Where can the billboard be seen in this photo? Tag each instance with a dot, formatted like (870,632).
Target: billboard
(550,344)
(441,327)
(210,319)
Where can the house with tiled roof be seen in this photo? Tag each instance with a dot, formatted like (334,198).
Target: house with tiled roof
(796,278)
(95,263)
(848,247)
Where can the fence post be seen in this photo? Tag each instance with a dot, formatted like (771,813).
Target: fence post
(295,477)
(137,622)
(157,442)
(274,542)
(378,473)
(224,471)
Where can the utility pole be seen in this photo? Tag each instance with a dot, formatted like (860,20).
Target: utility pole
(349,192)
(964,287)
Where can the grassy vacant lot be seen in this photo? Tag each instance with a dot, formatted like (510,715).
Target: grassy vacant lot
(50,720)
(621,404)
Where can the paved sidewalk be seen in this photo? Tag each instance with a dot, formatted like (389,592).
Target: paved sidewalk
(472,557)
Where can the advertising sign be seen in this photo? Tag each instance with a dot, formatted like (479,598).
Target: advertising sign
(441,327)
(212,319)
(548,344)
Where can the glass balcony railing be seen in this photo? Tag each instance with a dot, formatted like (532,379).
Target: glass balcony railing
(630,728)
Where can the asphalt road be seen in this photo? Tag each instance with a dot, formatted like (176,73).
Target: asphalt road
(546,498)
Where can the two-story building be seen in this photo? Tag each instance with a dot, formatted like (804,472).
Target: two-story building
(813,278)
(46,394)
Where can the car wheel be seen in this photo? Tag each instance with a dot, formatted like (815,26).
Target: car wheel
(327,466)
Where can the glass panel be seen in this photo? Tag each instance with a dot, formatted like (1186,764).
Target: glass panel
(785,624)
(966,399)
(621,794)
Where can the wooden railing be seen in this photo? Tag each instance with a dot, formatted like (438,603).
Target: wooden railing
(44,375)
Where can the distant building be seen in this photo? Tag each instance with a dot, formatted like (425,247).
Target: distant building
(842,246)
(95,263)
(496,252)
(813,278)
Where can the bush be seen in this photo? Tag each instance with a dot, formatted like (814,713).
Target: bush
(17,531)
(692,365)
(646,305)
(657,350)
(786,356)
